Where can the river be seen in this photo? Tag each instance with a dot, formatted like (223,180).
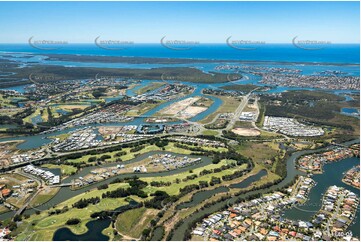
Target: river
(180,232)
(66,193)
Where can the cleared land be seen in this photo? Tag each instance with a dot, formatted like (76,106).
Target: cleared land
(246,132)
(179,106)
(187,108)
(229,105)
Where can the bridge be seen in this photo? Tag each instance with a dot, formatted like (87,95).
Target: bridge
(63,185)
(21,210)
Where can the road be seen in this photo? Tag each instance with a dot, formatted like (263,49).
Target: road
(32,196)
(238,111)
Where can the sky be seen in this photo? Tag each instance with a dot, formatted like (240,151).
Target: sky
(204,22)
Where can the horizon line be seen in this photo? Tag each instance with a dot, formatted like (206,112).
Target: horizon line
(199,43)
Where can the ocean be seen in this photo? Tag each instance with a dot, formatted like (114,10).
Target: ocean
(331,53)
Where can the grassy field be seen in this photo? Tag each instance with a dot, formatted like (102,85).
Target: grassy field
(132,222)
(44,196)
(61,137)
(12,179)
(141,109)
(28,119)
(45,115)
(218,149)
(242,124)
(210,132)
(7,101)
(258,152)
(229,105)
(174,188)
(151,87)
(243,88)
(66,170)
(70,107)
(170,147)
(42,226)
(3,209)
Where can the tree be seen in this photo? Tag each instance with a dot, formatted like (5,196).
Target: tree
(73,221)
(145,233)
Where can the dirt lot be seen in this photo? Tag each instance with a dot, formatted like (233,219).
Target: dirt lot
(7,149)
(107,130)
(191,111)
(177,107)
(246,132)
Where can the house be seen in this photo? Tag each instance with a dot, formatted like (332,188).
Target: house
(6,192)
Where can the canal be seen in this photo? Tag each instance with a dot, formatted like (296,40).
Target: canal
(66,193)
(332,175)
(180,231)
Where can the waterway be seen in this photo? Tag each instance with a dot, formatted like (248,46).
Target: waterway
(94,233)
(332,175)
(330,171)
(95,228)
(66,193)
(38,140)
(354,112)
(249,180)
(202,196)
(179,233)
(35,141)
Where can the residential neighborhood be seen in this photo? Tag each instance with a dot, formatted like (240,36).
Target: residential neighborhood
(290,126)
(261,218)
(47,176)
(314,163)
(338,210)
(352,177)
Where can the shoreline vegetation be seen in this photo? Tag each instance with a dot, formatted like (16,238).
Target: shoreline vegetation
(20,76)
(172,60)
(58,73)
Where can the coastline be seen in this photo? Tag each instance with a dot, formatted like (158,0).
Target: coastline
(199,60)
(132,59)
